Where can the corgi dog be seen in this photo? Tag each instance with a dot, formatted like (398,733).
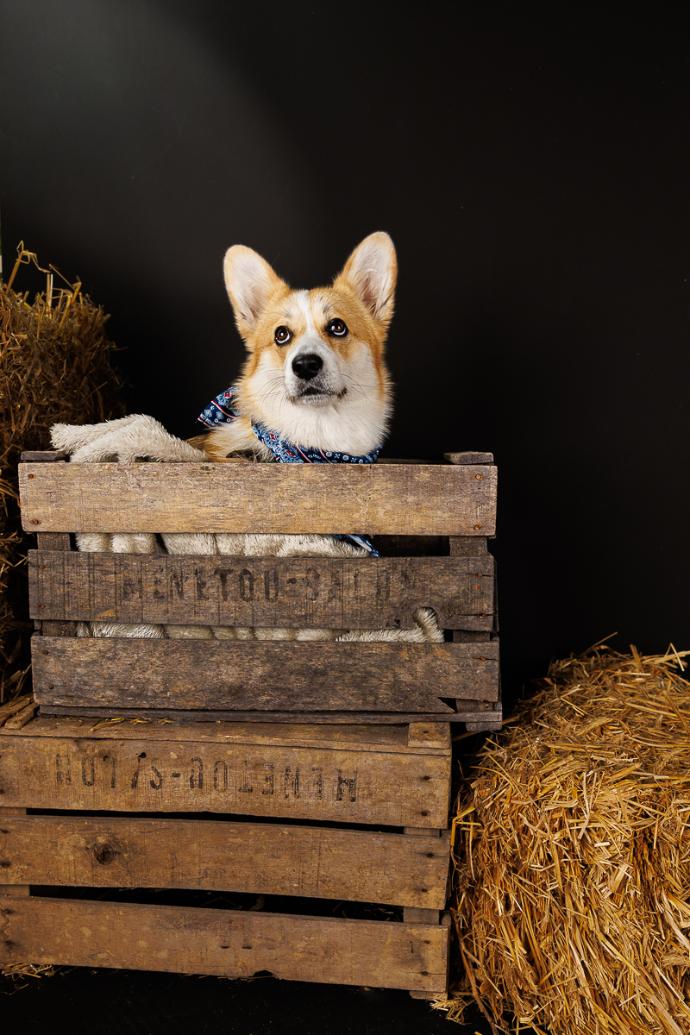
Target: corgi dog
(315,373)
(314,389)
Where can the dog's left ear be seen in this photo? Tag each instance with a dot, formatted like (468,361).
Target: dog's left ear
(371,272)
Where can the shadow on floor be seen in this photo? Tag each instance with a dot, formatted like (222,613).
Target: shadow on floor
(106,1002)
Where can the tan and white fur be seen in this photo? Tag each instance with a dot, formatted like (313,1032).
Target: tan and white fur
(316,374)
(346,405)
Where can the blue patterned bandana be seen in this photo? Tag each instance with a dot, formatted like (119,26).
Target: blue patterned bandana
(223,410)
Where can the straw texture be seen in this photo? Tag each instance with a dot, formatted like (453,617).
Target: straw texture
(572,852)
(55,365)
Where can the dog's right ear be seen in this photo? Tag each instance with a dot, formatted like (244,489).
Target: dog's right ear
(249,282)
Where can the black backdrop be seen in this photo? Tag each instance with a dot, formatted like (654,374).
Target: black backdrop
(534,176)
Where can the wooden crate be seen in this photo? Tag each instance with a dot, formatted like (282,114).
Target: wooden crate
(433,521)
(127,820)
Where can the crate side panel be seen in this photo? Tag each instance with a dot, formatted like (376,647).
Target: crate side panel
(258,858)
(223,942)
(295,592)
(359,737)
(391,499)
(466,711)
(123,673)
(111,774)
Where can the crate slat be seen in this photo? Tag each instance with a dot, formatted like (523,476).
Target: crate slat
(407,499)
(417,738)
(296,592)
(469,712)
(128,771)
(126,674)
(227,943)
(258,858)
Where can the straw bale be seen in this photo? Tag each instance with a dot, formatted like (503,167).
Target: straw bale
(572,856)
(55,365)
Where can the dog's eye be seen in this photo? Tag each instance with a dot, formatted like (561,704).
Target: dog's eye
(282,335)
(337,328)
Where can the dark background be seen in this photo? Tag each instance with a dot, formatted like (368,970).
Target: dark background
(533,172)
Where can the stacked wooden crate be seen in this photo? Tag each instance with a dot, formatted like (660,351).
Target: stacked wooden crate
(299,772)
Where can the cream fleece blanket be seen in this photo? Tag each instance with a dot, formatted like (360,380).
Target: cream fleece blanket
(140,438)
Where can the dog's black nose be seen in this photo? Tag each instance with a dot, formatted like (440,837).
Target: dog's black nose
(307,366)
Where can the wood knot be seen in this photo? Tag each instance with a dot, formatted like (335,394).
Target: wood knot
(104,854)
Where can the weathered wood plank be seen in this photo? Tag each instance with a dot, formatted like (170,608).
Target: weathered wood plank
(488,724)
(106,773)
(23,717)
(361,738)
(42,456)
(296,592)
(257,858)
(468,546)
(469,458)
(220,674)
(415,915)
(288,498)
(427,734)
(386,719)
(418,993)
(13,707)
(54,542)
(9,887)
(228,943)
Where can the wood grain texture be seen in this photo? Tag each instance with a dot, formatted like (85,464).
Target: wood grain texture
(390,498)
(297,592)
(257,858)
(13,707)
(108,773)
(488,724)
(478,713)
(126,674)
(9,886)
(361,738)
(427,735)
(469,458)
(465,546)
(44,456)
(417,915)
(22,718)
(468,546)
(228,943)
(54,542)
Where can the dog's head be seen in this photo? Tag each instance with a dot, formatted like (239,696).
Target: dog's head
(315,371)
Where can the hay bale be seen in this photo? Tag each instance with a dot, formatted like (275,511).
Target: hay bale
(55,365)
(572,850)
